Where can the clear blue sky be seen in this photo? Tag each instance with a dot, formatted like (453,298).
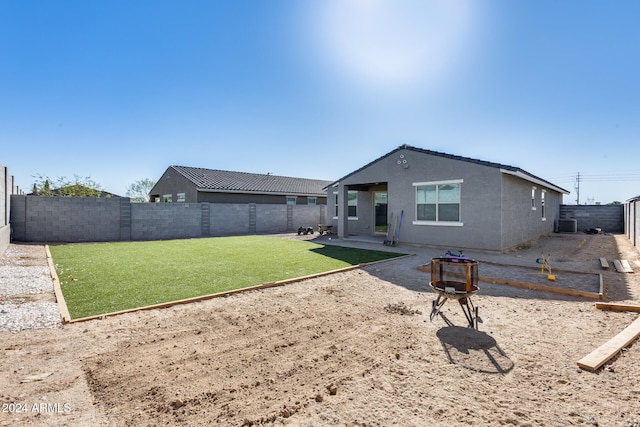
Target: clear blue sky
(120,90)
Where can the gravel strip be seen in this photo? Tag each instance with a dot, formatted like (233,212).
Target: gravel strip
(22,280)
(27,299)
(15,316)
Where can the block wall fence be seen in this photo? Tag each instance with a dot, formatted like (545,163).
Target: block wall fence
(89,219)
(609,218)
(632,221)
(7,189)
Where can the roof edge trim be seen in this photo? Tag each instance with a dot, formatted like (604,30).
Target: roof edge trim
(534,180)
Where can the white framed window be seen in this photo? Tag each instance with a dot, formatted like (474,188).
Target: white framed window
(438,203)
(335,204)
(542,194)
(533,198)
(352,204)
(291,200)
(181,197)
(167,198)
(311,200)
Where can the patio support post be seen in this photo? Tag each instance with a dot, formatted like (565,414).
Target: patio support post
(343,212)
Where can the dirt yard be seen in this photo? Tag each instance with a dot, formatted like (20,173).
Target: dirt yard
(351,349)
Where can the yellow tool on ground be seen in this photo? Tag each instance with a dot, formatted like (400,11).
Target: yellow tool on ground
(546,266)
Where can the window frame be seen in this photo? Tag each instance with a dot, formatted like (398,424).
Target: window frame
(294,199)
(349,205)
(542,206)
(533,198)
(437,222)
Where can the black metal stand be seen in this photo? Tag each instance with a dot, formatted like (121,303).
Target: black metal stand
(470,311)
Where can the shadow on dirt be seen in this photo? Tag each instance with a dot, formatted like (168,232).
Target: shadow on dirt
(473,350)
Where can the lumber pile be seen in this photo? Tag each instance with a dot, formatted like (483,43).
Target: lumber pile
(621,265)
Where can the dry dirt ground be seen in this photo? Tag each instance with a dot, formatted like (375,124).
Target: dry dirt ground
(351,349)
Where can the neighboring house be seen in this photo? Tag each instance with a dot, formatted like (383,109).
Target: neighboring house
(194,185)
(444,200)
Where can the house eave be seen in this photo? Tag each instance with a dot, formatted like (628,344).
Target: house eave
(534,180)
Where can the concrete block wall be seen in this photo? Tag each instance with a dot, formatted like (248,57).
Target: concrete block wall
(5,237)
(65,219)
(308,216)
(228,219)
(5,230)
(609,218)
(162,221)
(70,219)
(272,219)
(632,221)
(6,190)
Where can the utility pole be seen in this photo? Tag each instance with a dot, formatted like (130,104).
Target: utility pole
(577,187)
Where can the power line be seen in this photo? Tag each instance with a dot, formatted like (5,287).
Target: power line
(620,177)
(601,177)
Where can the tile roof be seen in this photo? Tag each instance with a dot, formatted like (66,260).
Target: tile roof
(505,168)
(244,182)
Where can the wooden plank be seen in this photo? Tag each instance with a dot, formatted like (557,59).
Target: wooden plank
(577,293)
(617,265)
(216,295)
(533,286)
(604,264)
(555,270)
(62,304)
(621,267)
(573,292)
(617,306)
(232,292)
(594,360)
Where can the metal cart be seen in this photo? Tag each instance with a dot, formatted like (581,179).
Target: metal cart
(325,229)
(455,279)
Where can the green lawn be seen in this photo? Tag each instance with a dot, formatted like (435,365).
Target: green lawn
(105,277)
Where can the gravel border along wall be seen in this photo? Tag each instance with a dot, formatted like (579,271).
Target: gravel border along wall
(27,299)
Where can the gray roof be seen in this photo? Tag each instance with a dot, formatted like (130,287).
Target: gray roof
(244,182)
(505,168)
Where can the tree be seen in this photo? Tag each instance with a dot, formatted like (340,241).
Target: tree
(77,187)
(45,190)
(139,190)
